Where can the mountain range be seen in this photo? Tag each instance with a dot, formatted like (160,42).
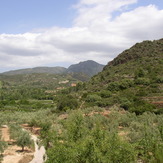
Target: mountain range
(88,68)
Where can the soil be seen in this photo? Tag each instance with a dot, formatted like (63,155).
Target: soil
(13,153)
(5,133)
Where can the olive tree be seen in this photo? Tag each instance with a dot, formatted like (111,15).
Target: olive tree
(24,140)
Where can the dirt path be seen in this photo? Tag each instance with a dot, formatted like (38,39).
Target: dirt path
(39,152)
(12,154)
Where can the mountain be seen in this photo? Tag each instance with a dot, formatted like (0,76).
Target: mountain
(83,70)
(87,67)
(48,70)
(133,80)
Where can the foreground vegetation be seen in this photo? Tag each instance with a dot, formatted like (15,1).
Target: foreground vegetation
(90,135)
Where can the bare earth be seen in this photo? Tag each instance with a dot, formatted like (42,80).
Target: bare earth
(13,154)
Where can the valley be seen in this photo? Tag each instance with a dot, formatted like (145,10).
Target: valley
(113,116)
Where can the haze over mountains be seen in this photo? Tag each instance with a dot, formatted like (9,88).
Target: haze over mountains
(89,68)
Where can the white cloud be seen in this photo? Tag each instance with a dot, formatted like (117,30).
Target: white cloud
(95,35)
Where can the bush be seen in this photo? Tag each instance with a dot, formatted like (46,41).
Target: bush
(140,73)
(84,140)
(124,84)
(159,79)
(66,103)
(105,94)
(3,145)
(142,81)
(113,86)
(93,98)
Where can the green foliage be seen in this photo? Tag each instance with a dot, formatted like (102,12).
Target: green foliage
(1,84)
(23,139)
(67,103)
(3,146)
(159,79)
(93,98)
(113,86)
(123,84)
(145,133)
(84,140)
(143,81)
(105,93)
(140,73)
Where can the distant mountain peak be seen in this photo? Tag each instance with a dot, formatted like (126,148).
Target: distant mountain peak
(88,67)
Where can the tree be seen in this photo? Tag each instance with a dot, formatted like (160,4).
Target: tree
(67,102)
(3,145)
(24,139)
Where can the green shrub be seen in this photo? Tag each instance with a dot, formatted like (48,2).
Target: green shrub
(140,73)
(159,79)
(113,86)
(3,145)
(124,84)
(142,81)
(66,103)
(105,94)
(84,140)
(93,98)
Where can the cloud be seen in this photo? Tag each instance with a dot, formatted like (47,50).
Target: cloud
(98,12)
(96,34)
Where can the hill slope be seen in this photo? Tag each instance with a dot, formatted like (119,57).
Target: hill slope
(134,76)
(87,67)
(49,70)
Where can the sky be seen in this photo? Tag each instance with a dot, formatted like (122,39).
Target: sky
(63,32)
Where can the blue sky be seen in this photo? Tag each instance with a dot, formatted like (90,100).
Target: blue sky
(20,16)
(59,33)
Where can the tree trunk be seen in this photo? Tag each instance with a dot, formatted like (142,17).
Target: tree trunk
(22,148)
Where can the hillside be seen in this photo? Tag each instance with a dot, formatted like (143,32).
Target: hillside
(87,67)
(134,78)
(49,70)
(147,56)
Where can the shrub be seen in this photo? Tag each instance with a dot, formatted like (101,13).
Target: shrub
(140,73)
(142,81)
(113,86)
(159,79)
(66,103)
(105,94)
(124,84)
(93,98)
(3,145)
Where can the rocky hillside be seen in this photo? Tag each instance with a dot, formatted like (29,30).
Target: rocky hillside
(132,78)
